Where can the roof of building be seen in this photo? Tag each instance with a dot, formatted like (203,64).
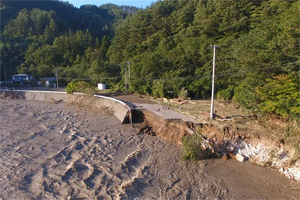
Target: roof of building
(22,75)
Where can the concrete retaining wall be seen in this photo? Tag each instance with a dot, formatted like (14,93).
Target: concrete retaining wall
(117,107)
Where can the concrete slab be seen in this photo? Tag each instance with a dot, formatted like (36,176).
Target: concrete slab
(121,114)
(164,112)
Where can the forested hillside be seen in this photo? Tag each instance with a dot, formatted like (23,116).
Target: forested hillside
(257,63)
(39,36)
(168,44)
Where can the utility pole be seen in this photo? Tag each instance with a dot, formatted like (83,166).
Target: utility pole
(56,74)
(125,80)
(213,82)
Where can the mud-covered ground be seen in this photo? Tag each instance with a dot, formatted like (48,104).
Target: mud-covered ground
(57,151)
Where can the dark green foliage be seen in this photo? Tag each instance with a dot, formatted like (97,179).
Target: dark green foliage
(168,45)
(158,89)
(32,23)
(226,94)
(99,20)
(171,41)
(40,36)
(281,95)
(12,55)
(245,93)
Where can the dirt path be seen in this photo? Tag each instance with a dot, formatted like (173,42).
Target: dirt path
(58,151)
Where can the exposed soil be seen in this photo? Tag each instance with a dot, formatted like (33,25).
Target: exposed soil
(231,116)
(230,113)
(263,139)
(61,151)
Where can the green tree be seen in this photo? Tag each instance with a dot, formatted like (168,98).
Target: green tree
(281,95)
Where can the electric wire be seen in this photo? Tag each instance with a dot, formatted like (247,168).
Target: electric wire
(218,75)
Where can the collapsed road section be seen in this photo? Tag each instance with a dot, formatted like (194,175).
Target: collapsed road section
(229,138)
(165,123)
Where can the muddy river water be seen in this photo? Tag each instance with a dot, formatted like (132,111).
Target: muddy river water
(58,151)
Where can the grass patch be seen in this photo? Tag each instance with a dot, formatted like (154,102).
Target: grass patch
(192,148)
(292,138)
(80,86)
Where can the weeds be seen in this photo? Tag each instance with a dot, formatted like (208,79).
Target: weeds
(80,86)
(192,150)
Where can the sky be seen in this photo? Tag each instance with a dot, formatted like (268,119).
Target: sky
(136,3)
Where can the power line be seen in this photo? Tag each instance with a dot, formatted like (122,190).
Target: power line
(254,70)
(89,79)
(217,75)
(183,78)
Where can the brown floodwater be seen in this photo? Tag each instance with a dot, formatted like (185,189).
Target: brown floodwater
(61,151)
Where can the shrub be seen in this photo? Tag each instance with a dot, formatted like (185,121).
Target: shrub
(245,94)
(71,87)
(85,87)
(226,94)
(80,86)
(183,93)
(191,147)
(158,88)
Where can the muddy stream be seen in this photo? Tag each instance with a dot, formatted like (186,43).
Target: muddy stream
(55,151)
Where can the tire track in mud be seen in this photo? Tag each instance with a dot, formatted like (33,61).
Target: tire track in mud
(72,172)
(74,165)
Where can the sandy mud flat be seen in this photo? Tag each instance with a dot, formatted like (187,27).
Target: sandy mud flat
(55,151)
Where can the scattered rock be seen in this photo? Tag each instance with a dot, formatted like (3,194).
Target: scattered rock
(190,131)
(225,157)
(192,102)
(240,157)
(165,100)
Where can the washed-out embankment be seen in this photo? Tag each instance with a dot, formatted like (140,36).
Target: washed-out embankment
(228,137)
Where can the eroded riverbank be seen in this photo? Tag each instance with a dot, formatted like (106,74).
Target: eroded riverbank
(58,151)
